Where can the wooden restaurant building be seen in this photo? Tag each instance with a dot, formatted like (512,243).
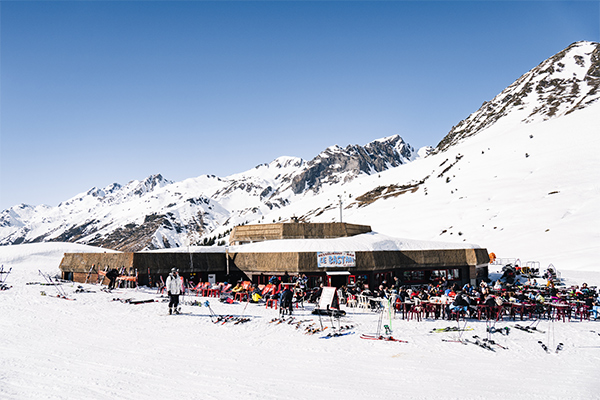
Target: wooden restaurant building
(335,254)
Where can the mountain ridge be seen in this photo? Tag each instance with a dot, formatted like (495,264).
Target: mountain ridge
(95,217)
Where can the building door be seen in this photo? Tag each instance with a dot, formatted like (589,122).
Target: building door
(338,280)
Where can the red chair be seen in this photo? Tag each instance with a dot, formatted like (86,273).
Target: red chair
(400,307)
(517,308)
(416,311)
(431,310)
(562,311)
(483,311)
(583,312)
(271,303)
(243,295)
(204,289)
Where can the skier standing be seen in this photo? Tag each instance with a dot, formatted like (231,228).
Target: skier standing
(285,300)
(174,284)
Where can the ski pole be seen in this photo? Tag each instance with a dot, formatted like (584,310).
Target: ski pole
(3,280)
(50,281)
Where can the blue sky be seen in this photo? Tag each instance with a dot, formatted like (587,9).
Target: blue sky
(105,91)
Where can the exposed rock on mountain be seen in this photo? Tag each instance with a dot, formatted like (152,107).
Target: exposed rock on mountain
(564,83)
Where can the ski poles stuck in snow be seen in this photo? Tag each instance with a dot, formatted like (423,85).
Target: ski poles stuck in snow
(61,293)
(3,285)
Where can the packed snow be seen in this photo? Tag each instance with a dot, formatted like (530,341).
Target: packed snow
(95,347)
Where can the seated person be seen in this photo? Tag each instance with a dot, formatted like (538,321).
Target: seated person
(316,295)
(380,292)
(461,303)
(238,288)
(255,294)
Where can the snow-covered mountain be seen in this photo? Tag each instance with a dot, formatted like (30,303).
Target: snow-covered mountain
(519,176)
(560,85)
(157,213)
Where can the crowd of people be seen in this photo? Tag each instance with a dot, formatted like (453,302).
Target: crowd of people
(465,299)
(511,289)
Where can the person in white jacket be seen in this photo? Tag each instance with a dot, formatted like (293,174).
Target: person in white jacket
(174,284)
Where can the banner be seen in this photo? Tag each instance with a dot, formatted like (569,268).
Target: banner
(336,259)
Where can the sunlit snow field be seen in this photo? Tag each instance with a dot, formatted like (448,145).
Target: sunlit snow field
(98,348)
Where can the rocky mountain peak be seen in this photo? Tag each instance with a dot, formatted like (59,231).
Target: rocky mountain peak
(336,164)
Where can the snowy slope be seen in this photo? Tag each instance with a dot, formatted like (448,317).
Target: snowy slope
(98,348)
(507,190)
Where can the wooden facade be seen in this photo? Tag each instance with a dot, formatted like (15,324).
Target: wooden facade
(257,233)
(149,266)
(369,263)
(412,266)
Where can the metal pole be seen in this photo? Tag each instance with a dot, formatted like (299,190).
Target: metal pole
(227,260)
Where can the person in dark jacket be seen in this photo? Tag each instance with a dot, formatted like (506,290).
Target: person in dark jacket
(112,276)
(460,304)
(397,284)
(285,300)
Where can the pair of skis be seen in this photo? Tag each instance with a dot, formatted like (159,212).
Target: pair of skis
(132,301)
(503,331)
(336,334)
(223,319)
(451,329)
(528,329)
(385,338)
(484,344)
(547,350)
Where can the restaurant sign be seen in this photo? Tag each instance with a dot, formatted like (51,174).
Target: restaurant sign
(336,259)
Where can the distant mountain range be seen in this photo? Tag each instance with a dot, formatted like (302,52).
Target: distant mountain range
(157,213)
(385,183)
